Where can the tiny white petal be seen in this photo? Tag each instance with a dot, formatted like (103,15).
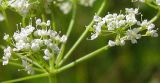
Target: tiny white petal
(6,36)
(111,43)
(63,39)
(38,22)
(48,22)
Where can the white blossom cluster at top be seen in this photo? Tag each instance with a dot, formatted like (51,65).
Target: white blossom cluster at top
(143,1)
(125,26)
(21,6)
(66,5)
(24,6)
(33,39)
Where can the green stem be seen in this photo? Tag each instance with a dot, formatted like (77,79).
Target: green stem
(43,17)
(6,19)
(155,17)
(82,36)
(23,21)
(53,22)
(26,78)
(59,57)
(52,79)
(51,63)
(151,5)
(72,64)
(83,59)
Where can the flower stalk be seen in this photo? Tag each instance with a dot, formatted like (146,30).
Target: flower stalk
(70,65)
(59,57)
(81,37)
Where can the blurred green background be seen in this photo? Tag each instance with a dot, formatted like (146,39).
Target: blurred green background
(138,63)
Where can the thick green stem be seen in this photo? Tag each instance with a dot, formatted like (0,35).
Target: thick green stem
(82,36)
(59,57)
(52,79)
(72,64)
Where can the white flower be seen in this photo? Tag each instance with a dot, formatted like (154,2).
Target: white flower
(87,2)
(7,55)
(138,0)
(6,36)
(65,7)
(48,55)
(94,36)
(48,23)
(97,18)
(54,48)
(133,35)
(42,32)
(131,11)
(111,43)
(63,39)
(47,42)
(121,25)
(120,42)
(27,67)
(21,45)
(144,23)
(152,33)
(35,46)
(38,22)
(1,17)
(158,2)
(151,26)
(24,33)
(22,6)
(131,19)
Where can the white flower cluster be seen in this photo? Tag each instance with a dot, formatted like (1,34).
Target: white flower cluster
(138,0)
(143,1)
(124,26)
(7,55)
(66,6)
(87,3)
(21,6)
(40,39)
